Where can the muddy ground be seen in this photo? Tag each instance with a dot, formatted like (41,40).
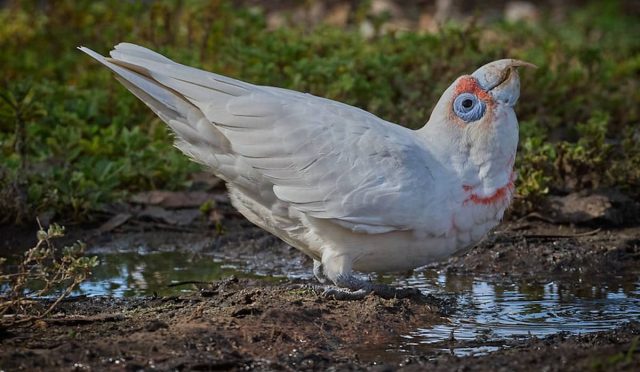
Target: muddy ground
(238,324)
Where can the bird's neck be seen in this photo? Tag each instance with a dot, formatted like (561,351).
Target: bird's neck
(483,175)
(487,180)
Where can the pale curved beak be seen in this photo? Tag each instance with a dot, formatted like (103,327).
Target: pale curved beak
(500,79)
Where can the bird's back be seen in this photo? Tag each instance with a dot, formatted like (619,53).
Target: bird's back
(283,148)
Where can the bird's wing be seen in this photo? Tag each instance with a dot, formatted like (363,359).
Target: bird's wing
(326,159)
(331,160)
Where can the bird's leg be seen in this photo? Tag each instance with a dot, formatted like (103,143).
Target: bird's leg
(349,287)
(337,268)
(340,292)
(318,272)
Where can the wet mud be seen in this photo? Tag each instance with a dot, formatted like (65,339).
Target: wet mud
(248,322)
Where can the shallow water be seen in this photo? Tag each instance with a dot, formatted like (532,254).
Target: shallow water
(131,274)
(491,310)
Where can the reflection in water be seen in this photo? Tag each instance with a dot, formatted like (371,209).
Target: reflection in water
(134,274)
(489,308)
(493,308)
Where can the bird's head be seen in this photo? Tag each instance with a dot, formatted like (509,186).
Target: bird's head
(473,128)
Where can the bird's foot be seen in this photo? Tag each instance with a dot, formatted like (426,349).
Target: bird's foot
(444,306)
(332,291)
(352,288)
(382,290)
(344,294)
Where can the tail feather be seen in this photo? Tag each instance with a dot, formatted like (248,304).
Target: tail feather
(162,67)
(179,94)
(184,118)
(140,52)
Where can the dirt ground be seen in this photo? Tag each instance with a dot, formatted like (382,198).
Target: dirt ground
(240,324)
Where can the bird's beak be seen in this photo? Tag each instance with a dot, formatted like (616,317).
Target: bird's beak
(500,79)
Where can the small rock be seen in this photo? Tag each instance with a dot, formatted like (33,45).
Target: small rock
(583,208)
(40,324)
(367,30)
(114,222)
(307,15)
(276,21)
(179,217)
(155,325)
(338,15)
(246,311)
(446,10)
(427,23)
(521,11)
(381,7)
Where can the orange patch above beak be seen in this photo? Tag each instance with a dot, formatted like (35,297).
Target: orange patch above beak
(468,84)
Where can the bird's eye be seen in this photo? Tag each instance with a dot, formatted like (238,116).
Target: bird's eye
(468,107)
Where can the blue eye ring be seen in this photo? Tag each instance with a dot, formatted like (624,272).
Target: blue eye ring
(468,107)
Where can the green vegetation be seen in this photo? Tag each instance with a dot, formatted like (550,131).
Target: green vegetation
(72,139)
(43,271)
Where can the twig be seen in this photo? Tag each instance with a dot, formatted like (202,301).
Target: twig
(61,297)
(85,320)
(561,236)
(160,225)
(51,307)
(186,282)
(72,320)
(538,216)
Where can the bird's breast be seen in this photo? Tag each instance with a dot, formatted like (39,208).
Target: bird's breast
(499,196)
(478,212)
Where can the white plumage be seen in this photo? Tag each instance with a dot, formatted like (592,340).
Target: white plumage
(345,187)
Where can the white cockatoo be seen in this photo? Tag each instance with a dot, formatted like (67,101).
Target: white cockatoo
(347,188)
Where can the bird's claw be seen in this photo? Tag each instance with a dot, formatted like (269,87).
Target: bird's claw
(359,293)
(333,292)
(345,294)
(342,294)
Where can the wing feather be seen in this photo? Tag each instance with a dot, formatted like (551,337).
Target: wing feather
(356,169)
(325,159)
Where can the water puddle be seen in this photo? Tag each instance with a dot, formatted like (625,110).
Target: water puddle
(491,310)
(131,274)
